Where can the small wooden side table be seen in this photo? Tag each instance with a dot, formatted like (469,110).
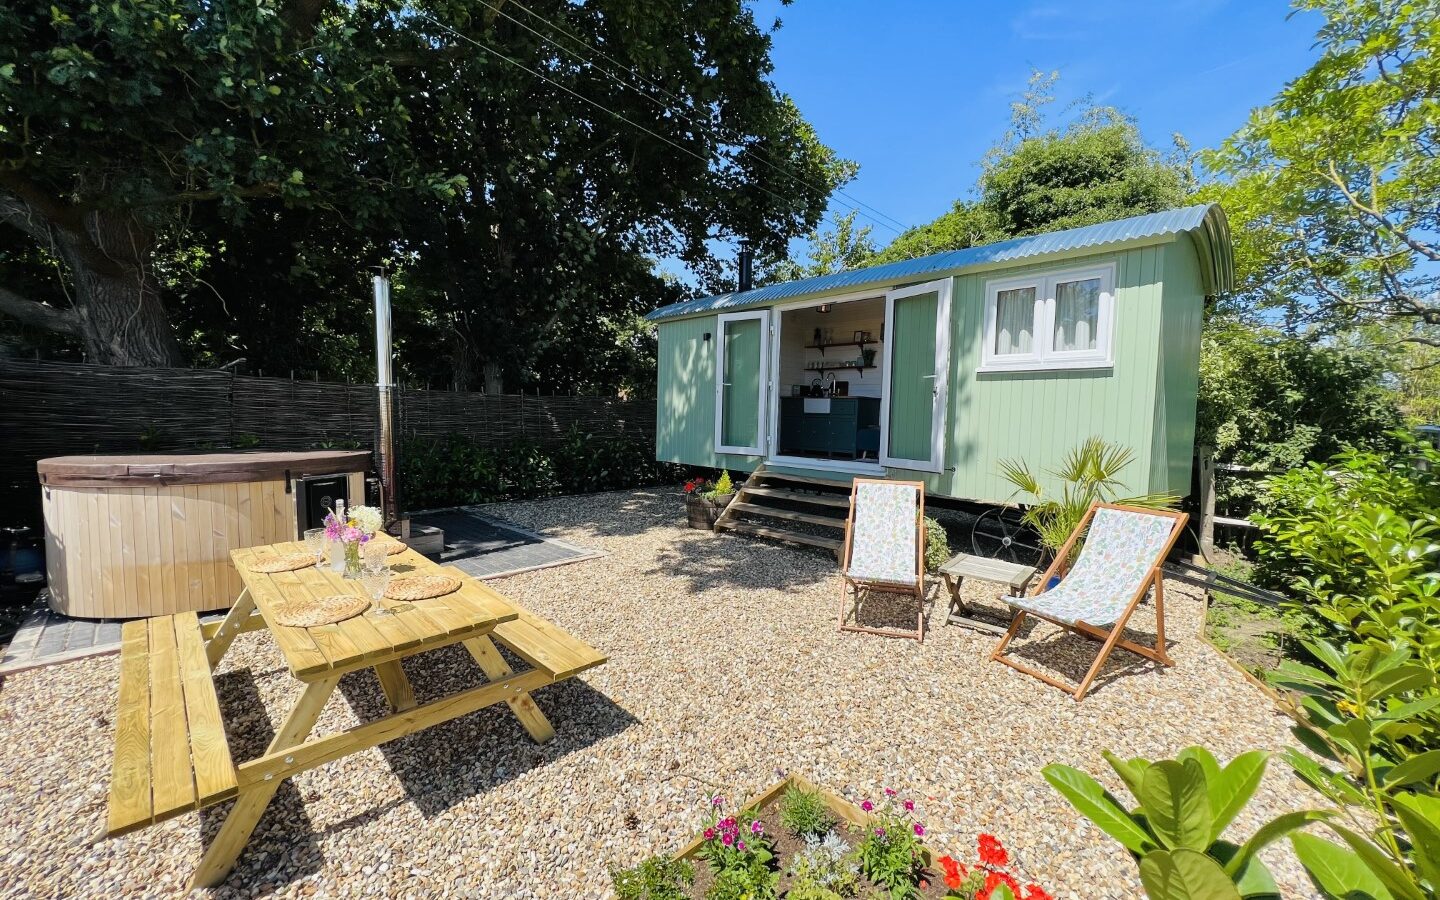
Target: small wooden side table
(962,566)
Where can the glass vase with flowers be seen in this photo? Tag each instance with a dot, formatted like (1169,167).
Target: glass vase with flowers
(347,529)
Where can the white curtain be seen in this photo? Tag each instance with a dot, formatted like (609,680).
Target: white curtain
(1077,314)
(1014,320)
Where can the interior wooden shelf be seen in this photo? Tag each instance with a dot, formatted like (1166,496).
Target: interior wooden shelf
(822,347)
(838,368)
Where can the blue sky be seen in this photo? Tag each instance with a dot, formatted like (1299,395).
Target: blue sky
(917,90)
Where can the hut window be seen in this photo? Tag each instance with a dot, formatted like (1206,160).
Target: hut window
(1057,321)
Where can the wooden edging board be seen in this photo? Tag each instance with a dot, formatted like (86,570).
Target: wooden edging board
(844,809)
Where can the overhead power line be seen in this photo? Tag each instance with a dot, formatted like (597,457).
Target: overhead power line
(660,137)
(856,204)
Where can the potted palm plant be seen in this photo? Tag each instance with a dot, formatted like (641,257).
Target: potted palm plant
(705,500)
(1089,474)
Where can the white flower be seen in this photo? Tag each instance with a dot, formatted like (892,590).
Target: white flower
(366,518)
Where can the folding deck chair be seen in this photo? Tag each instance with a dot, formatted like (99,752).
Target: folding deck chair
(1119,564)
(884,548)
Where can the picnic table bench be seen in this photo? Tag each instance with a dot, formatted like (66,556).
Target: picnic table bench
(171,753)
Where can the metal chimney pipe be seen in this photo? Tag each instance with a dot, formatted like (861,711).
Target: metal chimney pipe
(385,388)
(747,267)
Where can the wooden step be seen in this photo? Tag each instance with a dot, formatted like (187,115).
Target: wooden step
(838,500)
(756,509)
(804,479)
(784,534)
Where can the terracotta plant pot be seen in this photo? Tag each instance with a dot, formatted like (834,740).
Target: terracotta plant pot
(701,512)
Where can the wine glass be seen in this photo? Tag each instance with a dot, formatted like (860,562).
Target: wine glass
(375,581)
(374,552)
(315,543)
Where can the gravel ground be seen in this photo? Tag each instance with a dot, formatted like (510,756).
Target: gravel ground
(725,666)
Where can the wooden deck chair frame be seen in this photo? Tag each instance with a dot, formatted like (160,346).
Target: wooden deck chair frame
(849,585)
(1110,639)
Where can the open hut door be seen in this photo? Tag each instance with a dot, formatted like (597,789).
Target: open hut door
(915,392)
(742,364)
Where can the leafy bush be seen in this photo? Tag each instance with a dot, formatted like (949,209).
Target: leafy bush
(1090,473)
(804,813)
(657,878)
(456,470)
(937,545)
(1358,539)
(1329,397)
(1186,804)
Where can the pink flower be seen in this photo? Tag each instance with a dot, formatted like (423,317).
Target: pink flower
(756,827)
(879,832)
(909,805)
(867,806)
(919,830)
(740,845)
(889,792)
(709,834)
(727,839)
(718,801)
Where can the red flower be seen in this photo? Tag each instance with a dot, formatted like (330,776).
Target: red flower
(954,871)
(991,853)
(690,486)
(1036,892)
(994,880)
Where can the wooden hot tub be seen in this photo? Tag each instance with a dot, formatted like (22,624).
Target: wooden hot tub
(130,536)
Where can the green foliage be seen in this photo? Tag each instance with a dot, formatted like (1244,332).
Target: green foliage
(1274,402)
(456,470)
(1089,474)
(840,250)
(937,545)
(657,878)
(1095,169)
(1331,188)
(740,856)
(805,812)
(229,155)
(1358,539)
(825,869)
(723,486)
(891,854)
(1185,806)
(1369,713)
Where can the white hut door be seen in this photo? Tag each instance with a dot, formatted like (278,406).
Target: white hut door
(742,364)
(915,393)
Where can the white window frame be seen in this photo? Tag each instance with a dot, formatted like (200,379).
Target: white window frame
(1043,354)
(761,411)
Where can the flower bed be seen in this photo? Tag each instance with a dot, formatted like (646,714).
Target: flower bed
(801,843)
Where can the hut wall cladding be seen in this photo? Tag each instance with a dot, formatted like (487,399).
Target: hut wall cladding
(59,409)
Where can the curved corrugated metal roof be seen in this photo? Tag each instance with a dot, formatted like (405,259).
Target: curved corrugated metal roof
(1205,224)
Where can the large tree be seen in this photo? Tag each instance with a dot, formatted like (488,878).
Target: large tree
(1334,188)
(1095,168)
(511,172)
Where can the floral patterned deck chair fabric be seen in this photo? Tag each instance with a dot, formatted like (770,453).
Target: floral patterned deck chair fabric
(883,545)
(1118,566)
(1119,552)
(882,550)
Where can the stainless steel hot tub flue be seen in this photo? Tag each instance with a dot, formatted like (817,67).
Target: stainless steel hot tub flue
(385,388)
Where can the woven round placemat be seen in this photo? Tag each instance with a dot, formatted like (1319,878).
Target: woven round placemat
(289,562)
(421,587)
(392,546)
(320,611)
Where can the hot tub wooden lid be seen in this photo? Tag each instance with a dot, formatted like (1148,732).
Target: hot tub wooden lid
(195,468)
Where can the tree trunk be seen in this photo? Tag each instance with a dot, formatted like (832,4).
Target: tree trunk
(115,306)
(122,319)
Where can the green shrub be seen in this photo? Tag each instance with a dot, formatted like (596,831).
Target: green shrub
(1358,540)
(825,869)
(937,545)
(804,812)
(891,853)
(456,470)
(657,878)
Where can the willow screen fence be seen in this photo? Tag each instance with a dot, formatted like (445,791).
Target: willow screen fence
(59,409)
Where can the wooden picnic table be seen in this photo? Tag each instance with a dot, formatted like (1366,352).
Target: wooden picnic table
(171,753)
